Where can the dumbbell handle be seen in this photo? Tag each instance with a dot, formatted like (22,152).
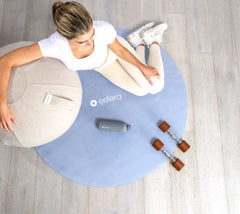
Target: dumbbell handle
(174,137)
(168,155)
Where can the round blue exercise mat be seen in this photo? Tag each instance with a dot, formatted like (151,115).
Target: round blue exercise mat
(95,157)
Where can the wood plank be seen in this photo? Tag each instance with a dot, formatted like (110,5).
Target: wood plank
(185,184)
(235,12)
(89,5)
(208,137)
(127,14)
(150,11)
(224,54)
(50,26)
(102,200)
(48,189)
(130,198)
(174,6)
(13,25)
(176,46)
(36,20)
(157,190)
(1,16)
(75,197)
(5,162)
(106,10)
(229,113)
(191,4)
(22,179)
(198,32)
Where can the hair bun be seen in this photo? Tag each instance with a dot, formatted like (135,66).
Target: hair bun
(56,5)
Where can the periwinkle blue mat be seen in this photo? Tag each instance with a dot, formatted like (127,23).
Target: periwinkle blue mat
(94,157)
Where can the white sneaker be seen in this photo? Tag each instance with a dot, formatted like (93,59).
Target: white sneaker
(154,34)
(134,38)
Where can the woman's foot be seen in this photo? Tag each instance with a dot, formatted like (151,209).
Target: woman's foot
(135,39)
(154,34)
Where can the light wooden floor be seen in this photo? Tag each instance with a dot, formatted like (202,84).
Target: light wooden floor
(203,39)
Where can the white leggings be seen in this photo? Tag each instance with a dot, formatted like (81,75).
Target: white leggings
(129,77)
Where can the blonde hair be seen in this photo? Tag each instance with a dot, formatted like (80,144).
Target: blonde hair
(71,19)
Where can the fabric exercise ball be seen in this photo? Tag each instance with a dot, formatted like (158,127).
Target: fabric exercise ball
(45,98)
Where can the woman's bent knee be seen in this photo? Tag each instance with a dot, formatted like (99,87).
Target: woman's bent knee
(157,87)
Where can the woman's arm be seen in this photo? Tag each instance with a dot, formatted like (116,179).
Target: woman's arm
(12,59)
(126,55)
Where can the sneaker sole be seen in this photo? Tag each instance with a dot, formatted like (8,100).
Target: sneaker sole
(138,31)
(152,31)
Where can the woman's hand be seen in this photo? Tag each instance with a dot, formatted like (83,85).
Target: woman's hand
(6,116)
(149,72)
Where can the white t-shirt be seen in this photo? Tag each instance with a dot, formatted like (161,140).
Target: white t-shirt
(57,46)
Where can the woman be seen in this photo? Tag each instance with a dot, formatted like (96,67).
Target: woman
(83,44)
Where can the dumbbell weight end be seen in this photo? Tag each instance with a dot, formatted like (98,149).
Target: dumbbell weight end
(164,126)
(184,146)
(178,164)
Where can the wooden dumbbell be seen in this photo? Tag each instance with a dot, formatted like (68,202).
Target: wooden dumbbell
(177,164)
(182,144)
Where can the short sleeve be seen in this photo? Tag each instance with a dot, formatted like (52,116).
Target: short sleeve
(109,32)
(49,47)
